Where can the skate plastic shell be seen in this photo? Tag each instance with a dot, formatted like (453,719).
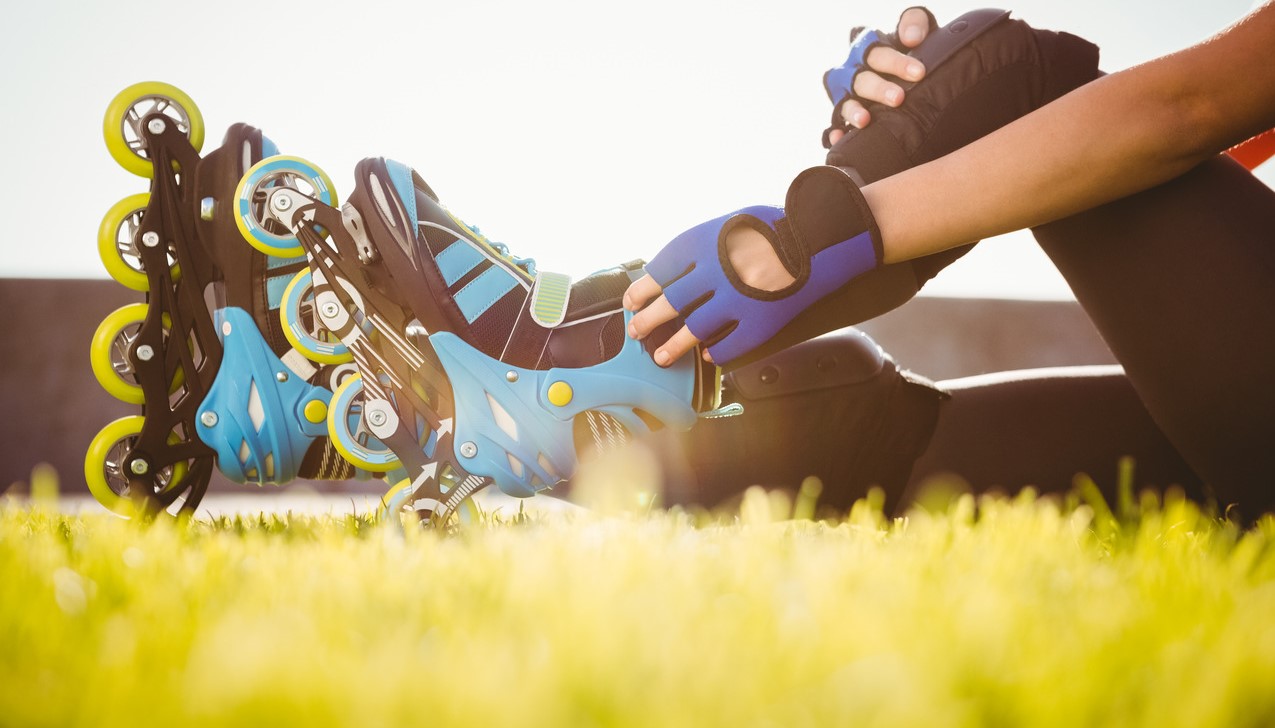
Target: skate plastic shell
(248,387)
(514,425)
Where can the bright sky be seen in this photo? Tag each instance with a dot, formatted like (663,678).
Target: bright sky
(581,133)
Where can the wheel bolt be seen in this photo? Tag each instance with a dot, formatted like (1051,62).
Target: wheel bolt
(329,310)
(468,449)
(281,202)
(209,419)
(157,126)
(139,467)
(150,239)
(145,352)
(376,417)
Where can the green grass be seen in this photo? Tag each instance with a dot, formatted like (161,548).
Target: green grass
(990,612)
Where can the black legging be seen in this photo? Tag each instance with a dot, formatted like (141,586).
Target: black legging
(1180,282)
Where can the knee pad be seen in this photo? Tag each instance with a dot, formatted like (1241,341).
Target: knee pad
(836,407)
(984,70)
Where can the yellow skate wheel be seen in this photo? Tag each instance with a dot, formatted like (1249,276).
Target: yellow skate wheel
(118,246)
(261,230)
(108,353)
(122,125)
(302,326)
(105,470)
(350,434)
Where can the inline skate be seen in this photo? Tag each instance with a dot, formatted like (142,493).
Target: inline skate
(207,356)
(474,367)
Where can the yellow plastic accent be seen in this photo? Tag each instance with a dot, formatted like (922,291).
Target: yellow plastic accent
(108,248)
(560,394)
(301,340)
(100,354)
(240,223)
(316,411)
(100,449)
(117,110)
(335,426)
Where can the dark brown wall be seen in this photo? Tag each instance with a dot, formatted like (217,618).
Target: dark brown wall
(51,406)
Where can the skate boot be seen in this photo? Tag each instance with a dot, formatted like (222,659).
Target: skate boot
(474,367)
(207,355)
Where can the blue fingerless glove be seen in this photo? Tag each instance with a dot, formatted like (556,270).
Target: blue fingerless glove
(825,236)
(839,81)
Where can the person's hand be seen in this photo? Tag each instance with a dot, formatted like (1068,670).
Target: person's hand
(740,278)
(871,71)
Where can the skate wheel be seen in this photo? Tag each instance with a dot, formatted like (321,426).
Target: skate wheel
(350,435)
(117,244)
(302,327)
(398,499)
(104,466)
(261,231)
(108,353)
(122,125)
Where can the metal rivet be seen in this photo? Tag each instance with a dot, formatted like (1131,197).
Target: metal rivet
(145,352)
(468,449)
(206,207)
(281,202)
(225,328)
(281,376)
(139,467)
(376,417)
(209,419)
(157,126)
(511,376)
(150,239)
(769,375)
(329,310)
(826,363)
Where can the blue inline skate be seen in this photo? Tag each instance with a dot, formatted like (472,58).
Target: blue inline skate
(473,366)
(207,355)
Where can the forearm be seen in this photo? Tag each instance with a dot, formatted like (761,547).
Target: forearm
(1111,138)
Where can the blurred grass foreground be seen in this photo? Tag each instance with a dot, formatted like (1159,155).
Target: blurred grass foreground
(990,612)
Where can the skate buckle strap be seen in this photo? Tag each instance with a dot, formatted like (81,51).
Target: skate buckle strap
(549,299)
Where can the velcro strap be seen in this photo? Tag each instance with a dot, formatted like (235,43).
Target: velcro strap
(549,299)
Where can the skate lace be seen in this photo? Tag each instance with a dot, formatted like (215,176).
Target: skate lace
(527,264)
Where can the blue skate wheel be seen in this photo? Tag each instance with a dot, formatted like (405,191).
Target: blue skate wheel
(302,327)
(350,435)
(261,231)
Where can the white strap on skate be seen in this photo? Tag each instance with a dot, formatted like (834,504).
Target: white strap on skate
(549,298)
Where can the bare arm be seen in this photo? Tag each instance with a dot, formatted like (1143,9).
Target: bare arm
(1113,137)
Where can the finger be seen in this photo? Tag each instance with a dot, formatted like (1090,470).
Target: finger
(650,318)
(641,291)
(914,25)
(854,114)
(834,136)
(677,346)
(870,86)
(885,60)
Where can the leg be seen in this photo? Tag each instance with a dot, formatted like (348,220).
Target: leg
(1042,427)
(1178,280)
